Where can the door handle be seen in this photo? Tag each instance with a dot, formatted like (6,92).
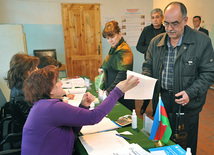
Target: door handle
(99,49)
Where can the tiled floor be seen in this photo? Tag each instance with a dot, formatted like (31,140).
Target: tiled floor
(206,124)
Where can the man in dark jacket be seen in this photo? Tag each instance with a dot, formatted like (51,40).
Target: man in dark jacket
(151,31)
(183,62)
(146,36)
(196,24)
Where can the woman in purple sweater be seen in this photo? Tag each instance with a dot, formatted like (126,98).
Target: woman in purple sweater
(52,124)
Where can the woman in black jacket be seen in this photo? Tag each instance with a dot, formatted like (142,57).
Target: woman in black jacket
(21,65)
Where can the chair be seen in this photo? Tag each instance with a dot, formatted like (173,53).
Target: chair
(6,126)
(5,110)
(4,106)
(11,152)
(5,117)
(45,52)
(9,140)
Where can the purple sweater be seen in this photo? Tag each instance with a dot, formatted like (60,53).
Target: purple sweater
(50,123)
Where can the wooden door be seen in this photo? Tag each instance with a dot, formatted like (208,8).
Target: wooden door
(82,39)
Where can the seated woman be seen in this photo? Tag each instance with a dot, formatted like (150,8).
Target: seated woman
(52,124)
(21,65)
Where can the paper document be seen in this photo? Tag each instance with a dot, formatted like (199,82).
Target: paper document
(168,150)
(144,90)
(103,125)
(72,83)
(103,143)
(75,91)
(78,92)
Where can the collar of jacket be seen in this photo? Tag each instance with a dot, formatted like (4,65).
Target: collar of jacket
(112,50)
(188,38)
(162,27)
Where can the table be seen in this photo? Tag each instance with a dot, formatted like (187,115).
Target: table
(138,136)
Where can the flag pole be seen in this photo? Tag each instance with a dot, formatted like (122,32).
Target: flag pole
(159,143)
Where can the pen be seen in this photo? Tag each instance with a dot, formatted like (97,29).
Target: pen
(123,136)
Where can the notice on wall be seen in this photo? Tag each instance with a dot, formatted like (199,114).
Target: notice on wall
(132,24)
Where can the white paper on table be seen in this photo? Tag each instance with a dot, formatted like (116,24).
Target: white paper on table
(72,83)
(158,153)
(78,92)
(103,142)
(75,91)
(103,125)
(144,90)
(131,149)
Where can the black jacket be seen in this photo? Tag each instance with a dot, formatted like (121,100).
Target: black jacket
(204,30)
(19,109)
(193,68)
(146,36)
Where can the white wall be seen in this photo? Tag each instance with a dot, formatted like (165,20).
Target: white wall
(11,41)
(42,22)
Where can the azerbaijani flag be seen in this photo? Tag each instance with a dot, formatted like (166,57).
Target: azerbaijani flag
(161,129)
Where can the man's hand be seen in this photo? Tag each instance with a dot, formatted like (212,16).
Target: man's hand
(184,98)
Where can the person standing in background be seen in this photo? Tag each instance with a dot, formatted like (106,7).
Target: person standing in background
(183,62)
(146,36)
(117,62)
(151,31)
(196,24)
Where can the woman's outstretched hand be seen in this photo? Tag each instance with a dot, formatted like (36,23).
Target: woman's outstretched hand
(87,99)
(128,84)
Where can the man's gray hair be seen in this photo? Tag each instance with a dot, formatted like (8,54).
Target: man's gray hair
(156,10)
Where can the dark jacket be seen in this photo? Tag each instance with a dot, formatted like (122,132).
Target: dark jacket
(146,36)
(204,30)
(116,63)
(19,109)
(193,68)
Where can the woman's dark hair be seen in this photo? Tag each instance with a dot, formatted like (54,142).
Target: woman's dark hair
(111,28)
(48,60)
(40,83)
(20,66)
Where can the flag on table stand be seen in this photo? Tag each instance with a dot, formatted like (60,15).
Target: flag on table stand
(161,129)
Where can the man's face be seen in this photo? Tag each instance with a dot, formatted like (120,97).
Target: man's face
(196,22)
(174,21)
(156,20)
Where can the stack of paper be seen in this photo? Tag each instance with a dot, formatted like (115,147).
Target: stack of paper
(72,83)
(103,143)
(107,143)
(104,125)
(78,92)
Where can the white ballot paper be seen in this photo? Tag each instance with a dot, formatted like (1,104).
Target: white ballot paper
(104,125)
(78,92)
(103,143)
(144,90)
